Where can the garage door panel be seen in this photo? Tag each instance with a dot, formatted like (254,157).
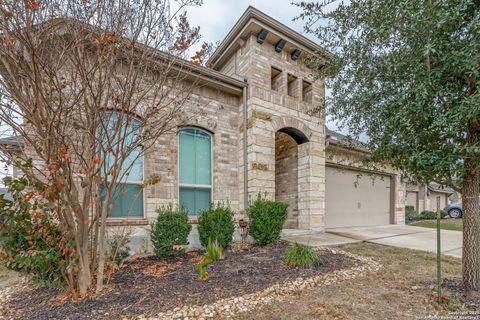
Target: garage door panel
(355,199)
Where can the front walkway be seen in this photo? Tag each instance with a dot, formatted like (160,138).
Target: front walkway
(401,236)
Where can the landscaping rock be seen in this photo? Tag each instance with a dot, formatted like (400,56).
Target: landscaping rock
(276,293)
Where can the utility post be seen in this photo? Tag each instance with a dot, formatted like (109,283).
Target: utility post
(439,256)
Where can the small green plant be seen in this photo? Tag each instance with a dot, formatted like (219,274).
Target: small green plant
(202,272)
(214,251)
(213,254)
(216,223)
(119,249)
(453,304)
(266,219)
(170,231)
(302,256)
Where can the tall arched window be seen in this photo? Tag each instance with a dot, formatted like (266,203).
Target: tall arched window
(124,143)
(195,169)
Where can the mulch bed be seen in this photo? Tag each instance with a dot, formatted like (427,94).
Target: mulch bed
(471,299)
(151,285)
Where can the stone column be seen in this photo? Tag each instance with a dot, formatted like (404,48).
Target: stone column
(311,187)
(261,158)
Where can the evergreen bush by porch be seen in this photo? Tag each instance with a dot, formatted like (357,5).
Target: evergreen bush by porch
(170,231)
(266,219)
(216,223)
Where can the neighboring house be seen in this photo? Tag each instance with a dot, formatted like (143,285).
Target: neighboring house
(6,197)
(356,195)
(428,197)
(281,147)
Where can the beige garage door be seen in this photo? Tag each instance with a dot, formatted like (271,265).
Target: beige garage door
(353,200)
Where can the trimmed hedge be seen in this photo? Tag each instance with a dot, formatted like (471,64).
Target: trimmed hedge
(170,231)
(430,215)
(216,223)
(266,219)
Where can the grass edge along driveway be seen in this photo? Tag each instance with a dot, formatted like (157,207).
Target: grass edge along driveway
(445,224)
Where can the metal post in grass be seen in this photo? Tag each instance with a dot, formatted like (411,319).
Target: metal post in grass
(439,256)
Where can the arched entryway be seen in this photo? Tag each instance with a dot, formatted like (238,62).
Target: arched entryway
(287,144)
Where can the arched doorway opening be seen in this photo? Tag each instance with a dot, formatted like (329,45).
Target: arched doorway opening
(287,141)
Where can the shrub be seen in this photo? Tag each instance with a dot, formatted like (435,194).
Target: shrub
(217,224)
(301,256)
(410,213)
(170,232)
(430,215)
(34,242)
(266,219)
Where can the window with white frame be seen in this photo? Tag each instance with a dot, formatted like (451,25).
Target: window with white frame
(195,169)
(126,200)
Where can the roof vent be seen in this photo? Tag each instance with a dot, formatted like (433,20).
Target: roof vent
(262,35)
(280,44)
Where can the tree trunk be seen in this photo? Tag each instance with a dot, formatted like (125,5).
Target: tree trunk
(471,222)
(102,244)
(84,274)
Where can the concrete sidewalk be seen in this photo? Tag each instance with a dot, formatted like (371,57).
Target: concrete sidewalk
(401,236)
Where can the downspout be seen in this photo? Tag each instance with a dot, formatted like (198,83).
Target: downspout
(245,145)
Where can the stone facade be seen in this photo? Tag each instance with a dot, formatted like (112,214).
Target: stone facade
(272,109)
(286,176)
(276,118)
(218,114)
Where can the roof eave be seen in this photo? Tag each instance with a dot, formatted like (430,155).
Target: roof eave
(346,146)
(253,15)
(206,75)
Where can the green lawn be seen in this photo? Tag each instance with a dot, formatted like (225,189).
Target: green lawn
(445,224)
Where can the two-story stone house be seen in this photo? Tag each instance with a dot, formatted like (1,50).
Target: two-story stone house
(263,130)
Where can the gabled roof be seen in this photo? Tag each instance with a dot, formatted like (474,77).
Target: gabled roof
(12,142)
(334,134)
(436,187)
(203,74)
(252,21)
(7,196)
(341,140)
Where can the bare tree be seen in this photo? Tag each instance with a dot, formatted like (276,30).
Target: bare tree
(90,86)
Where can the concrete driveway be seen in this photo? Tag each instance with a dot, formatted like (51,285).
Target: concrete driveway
(401,236)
